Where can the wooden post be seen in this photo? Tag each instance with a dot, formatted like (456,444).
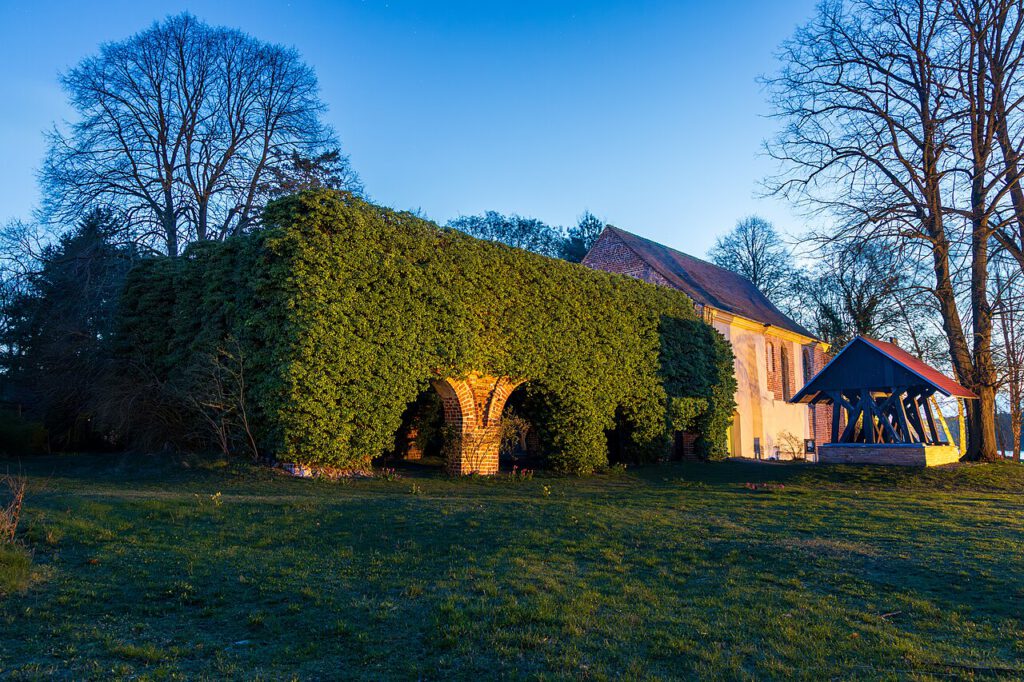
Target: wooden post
(868,425)
(915,417)
(850,432)
(931,420)
(942,420)
(962,423)
(837,408)
(901,417)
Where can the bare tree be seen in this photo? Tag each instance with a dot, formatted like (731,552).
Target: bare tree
(874,107)
(1009,350)
(991,79)
(755,250)
(178,127)
(218,394)
(849,290)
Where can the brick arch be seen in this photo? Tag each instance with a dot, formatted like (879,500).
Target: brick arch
(472,408)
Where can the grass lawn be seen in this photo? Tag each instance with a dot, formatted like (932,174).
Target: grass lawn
(144,567)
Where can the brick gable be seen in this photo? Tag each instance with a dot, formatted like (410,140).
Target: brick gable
(611,254)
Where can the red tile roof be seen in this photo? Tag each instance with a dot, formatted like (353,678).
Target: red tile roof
(926,372)
(709,284)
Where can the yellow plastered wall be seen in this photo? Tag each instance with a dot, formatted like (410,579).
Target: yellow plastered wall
(760,414)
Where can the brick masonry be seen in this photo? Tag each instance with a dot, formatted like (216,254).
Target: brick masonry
(472,410)
(413,451)
(900,455)
(611,254)
(815,360)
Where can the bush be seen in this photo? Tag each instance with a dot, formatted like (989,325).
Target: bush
(19,436)
(15,560)
(12,497)
(345,311)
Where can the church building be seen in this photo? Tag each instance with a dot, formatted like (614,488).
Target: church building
(775,356)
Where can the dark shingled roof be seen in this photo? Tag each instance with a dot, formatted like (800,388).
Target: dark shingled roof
(709,284)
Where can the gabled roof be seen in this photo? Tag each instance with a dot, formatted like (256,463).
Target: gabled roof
(709,284)
(872,364)
(933,376)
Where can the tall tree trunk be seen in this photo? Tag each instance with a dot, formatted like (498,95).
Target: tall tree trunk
(981,426)
(170,220)
(170,227)
(201,219)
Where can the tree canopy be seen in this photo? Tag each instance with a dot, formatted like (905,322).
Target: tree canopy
(184,130)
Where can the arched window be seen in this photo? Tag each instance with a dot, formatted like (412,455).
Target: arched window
(770,360)
(787,374)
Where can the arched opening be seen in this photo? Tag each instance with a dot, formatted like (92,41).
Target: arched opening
(524,425)
(473,407)
(476,424)
(735,436)
(421,436)
(620,438)
(787,374)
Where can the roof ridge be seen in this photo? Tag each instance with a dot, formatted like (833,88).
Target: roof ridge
(709,284)
(669,276)
(682,253)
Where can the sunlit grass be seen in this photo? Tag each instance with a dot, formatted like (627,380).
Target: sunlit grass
(212,568)
(15,566)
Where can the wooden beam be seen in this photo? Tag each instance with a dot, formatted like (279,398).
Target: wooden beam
(901,417)
(836,411)
(869,416)
(851,424)
(885,417)
(915,418)
(942,420)
(931,420)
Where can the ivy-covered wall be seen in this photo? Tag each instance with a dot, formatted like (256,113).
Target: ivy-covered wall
(341,312)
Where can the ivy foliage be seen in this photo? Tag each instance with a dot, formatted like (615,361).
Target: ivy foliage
(343,312)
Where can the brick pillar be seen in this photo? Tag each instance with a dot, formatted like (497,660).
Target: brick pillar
(472,409)
(815,360)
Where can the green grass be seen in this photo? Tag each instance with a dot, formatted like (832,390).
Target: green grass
(663,572)
(15,566)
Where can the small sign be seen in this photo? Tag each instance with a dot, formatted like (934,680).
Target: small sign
(809,446)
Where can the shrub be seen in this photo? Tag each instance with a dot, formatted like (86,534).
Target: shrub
(19,436)
(346,311)
(12,497)
(790,446)
(15,560)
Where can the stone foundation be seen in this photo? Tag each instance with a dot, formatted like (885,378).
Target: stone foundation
(913,455)
(314,471)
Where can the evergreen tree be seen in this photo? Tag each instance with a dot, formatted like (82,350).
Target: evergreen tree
(581,237)
(59,325)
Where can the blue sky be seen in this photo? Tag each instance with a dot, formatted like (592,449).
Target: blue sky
(646,113)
